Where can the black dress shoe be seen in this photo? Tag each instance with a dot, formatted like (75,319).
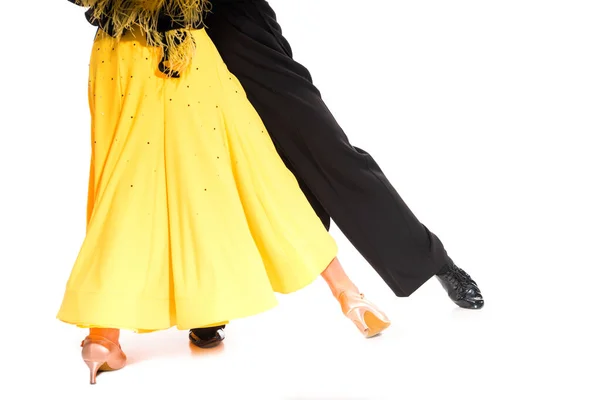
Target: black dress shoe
(460,287)
(207,337)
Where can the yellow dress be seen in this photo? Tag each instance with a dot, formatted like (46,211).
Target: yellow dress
(193,219)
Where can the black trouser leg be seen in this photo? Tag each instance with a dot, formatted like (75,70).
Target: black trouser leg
(339,179)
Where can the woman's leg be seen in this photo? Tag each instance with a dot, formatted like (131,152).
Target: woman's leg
(338,281)
(106,333)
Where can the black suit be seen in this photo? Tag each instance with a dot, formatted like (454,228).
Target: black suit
(341,181)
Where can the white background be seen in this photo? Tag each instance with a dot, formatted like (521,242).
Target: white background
(484,115)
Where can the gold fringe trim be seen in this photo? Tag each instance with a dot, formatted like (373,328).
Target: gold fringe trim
(144,14)
(182,49)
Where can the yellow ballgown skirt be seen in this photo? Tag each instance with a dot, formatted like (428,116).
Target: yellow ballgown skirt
(193,219)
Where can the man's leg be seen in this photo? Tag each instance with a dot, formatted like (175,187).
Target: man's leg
(343,180)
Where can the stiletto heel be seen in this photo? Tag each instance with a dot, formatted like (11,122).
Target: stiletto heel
(94,366)
(366,316)
(100,354)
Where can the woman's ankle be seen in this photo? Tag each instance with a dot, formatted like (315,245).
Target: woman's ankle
(107,333)
(337,291)
(337,280)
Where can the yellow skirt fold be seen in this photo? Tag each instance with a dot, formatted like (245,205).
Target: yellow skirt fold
(193,219)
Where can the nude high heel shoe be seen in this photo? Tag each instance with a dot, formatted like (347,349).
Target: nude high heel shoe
(100,354)
(366,316)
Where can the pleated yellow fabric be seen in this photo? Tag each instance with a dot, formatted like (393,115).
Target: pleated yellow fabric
(193,219)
